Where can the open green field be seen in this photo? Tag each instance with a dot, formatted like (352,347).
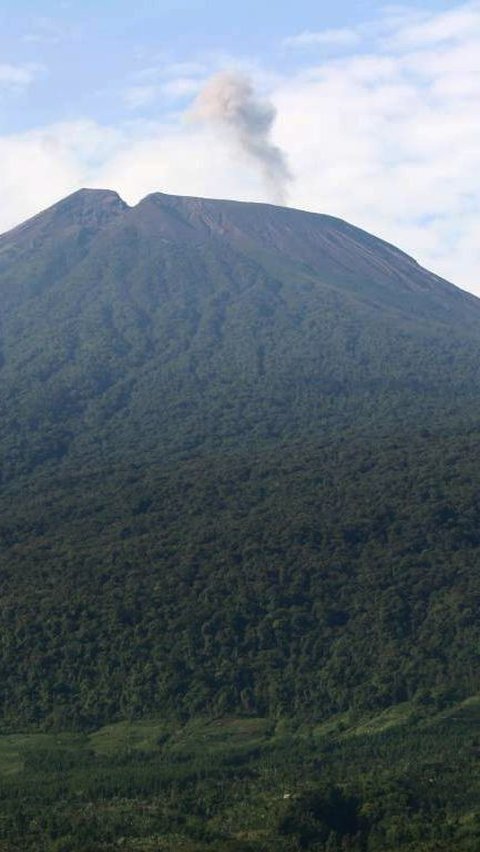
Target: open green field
(403,779)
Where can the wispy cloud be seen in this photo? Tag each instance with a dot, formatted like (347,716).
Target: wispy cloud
(136,97)
(343,37)
(176,89)
(45,31)
(16,78)
(181,87)
(436,29)
(164,68)
(165,82)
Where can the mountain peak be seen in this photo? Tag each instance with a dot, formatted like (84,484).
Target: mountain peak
(87,205)
(85,208)
(96,195)
(323,248)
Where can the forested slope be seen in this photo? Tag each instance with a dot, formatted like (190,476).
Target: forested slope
(240,466)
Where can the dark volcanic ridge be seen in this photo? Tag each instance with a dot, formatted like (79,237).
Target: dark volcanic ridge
(293,233)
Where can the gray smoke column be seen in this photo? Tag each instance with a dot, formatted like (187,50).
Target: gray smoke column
(228,101)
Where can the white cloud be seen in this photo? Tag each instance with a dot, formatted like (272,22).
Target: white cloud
(389,138)
(184,161)
(39,167)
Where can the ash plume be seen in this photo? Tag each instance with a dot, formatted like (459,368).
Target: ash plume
(228,101)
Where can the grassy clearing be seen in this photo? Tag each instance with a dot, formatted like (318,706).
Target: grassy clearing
(222,735)
(145,736)
(400,714)
(125,736)
(218,736)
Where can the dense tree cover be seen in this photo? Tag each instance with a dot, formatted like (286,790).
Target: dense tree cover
(305,580)
(239,476)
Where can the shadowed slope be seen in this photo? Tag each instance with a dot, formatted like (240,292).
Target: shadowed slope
(240,456)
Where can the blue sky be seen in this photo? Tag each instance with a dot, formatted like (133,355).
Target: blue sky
(88,51)
(374,109)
